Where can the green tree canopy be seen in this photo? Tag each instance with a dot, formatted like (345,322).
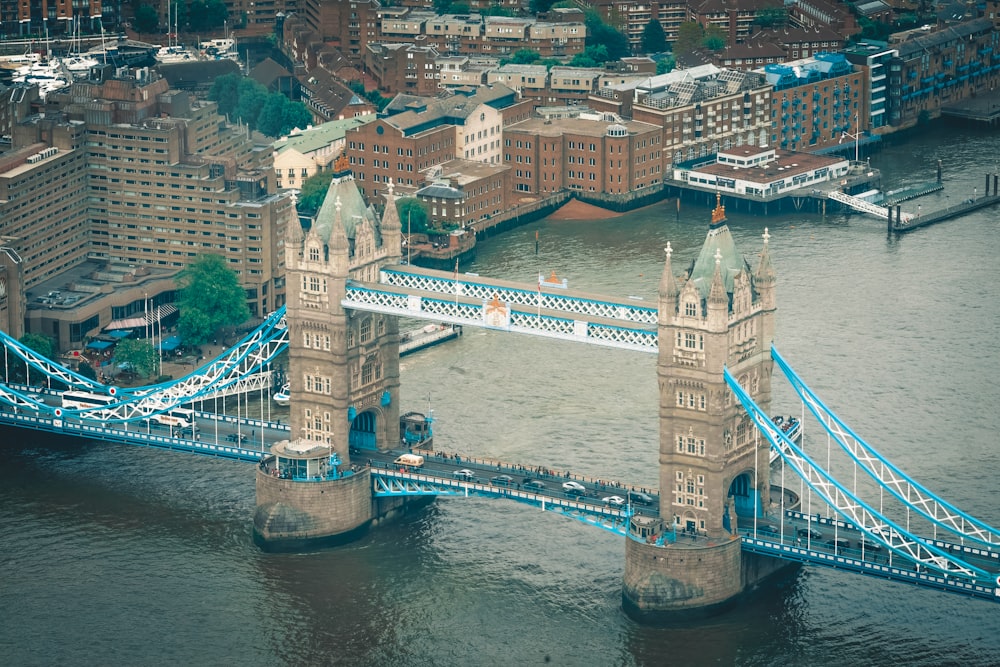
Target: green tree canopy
(86,370)
(40,343)
(714,39)
(594,55)
(207,14)
(209,297)
(654,40)
(137,355)
(599,32)
(665,64)
(412,215)
(689,36)
(146,18)
(525,57)
(279,115)
(313,193)
(225,90)
(540,6)
(770,17)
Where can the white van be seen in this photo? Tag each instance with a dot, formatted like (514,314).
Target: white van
(411,460)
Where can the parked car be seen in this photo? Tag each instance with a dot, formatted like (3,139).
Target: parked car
(617,501)
(501,480)
(810,533)
(465,474)
(640,498)
(534,484)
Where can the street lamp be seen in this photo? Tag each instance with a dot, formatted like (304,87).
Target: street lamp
(856,136)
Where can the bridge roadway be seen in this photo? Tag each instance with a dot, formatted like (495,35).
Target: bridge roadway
(833,543)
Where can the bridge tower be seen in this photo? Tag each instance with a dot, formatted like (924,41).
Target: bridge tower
(343,372)
(713,467)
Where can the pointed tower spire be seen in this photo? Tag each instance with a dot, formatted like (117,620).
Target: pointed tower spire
(668,286)
(391,227)
(717,293)
(339,247)
(765,272)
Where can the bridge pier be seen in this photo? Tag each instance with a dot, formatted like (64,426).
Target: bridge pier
(680,581)
(304,501)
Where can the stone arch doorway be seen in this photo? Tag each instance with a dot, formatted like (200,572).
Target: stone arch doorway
(363,433)
(743,494)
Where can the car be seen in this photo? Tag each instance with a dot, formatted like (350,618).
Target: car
(617,501)
(574,486)
(810,533)
(870,545)
(839,544)
(236,437)
(769,528)
(575,493)
(639,498)
(534,484)
(501,480)
(465,474)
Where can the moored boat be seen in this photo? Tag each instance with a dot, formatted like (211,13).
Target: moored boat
(282,397)
(432,334)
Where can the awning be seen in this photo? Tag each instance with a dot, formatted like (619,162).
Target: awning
(99,344)
(120,333)
(158,313)
(170,344)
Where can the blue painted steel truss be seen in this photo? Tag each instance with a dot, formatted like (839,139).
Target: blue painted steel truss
(394,483)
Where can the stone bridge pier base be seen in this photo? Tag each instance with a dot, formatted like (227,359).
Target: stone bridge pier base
(680,581)
(684,581)
(297,515)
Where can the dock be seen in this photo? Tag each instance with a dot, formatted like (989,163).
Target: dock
(971,204)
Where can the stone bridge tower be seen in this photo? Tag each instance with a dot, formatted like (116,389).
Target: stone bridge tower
(343,375)
(712,465)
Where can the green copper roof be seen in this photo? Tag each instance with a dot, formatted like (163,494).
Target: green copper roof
(352,208)
(719,241)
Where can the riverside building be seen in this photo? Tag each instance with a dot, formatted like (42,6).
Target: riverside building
(119,185)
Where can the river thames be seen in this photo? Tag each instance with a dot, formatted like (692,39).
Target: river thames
(117,555)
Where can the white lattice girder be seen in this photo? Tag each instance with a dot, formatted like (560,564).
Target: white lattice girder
(888,475)
(867,519)
(520,294)
(462,311)
(237,371)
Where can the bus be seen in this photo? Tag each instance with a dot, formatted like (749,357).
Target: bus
(81,400)
(176,418)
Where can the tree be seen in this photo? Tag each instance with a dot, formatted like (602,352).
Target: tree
(146,18)
(654,40)
(86,370)
(207,14)
(592,56)
(540,6)
(136,355)
(252,96)
(769,17)
(225,91)
(665,64)
(209,297)
(525,57)
(689,36)
(714,39)
(40,343)
(413,215)
(313,193)
(598,32)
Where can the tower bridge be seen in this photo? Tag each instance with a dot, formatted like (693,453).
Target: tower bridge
(723,520)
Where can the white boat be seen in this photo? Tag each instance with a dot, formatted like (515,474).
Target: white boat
(49,76)
(174,54)
(282,397)
(432,334)
(80,64)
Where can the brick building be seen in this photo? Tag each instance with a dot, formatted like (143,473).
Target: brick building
(588,154)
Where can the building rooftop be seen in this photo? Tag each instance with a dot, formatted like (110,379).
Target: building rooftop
(584,126)
(314,138)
